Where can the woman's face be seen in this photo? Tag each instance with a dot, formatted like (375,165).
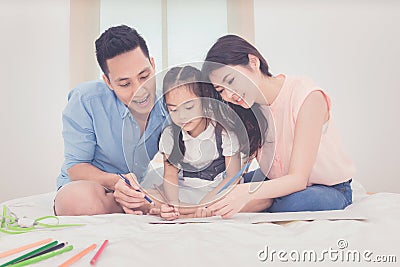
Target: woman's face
(236,84)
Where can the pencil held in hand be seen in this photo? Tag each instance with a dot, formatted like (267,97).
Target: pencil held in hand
(129,183)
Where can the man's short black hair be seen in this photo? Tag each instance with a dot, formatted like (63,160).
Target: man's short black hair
(116,41)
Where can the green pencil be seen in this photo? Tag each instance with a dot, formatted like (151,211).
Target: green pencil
(33,252)
(43,257)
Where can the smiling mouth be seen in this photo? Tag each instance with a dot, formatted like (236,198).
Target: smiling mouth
(142,101)
(240,100)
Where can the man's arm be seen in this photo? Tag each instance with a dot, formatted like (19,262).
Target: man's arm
(86,171)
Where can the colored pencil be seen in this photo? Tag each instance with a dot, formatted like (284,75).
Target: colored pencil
(61,245)
(33,252)
(237,175)
(98,253)
(42,257)
(129,183)
(19,249)
(78,256)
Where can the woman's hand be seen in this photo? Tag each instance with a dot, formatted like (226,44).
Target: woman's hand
(233,202)
(203,212)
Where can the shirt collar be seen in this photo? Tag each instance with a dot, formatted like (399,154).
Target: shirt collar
(122,109)
(205,135)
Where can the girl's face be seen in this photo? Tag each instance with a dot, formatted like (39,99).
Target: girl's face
(185,109)
(236,84)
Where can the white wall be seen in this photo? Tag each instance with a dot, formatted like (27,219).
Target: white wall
(34,77)
(193,28)
(144,16)
(351,48)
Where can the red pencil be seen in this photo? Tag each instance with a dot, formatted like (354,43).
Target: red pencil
(97,255)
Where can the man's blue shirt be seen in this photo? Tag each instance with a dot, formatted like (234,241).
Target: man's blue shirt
(99,129)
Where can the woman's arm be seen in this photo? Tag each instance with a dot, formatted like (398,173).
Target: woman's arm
(308,130)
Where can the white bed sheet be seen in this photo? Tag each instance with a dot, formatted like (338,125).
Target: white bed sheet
(133,241)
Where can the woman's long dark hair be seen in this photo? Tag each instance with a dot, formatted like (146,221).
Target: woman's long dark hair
(234,50)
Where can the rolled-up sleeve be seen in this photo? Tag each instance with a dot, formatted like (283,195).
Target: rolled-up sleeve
(78,132)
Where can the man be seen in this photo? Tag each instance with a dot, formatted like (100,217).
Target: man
(108,126)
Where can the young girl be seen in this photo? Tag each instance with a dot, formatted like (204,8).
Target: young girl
(310,170)
(200,153)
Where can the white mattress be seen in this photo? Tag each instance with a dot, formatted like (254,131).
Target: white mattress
(134,241)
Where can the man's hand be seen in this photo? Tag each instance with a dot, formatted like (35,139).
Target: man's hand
(127,196)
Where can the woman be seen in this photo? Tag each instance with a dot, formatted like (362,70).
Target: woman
(306,166)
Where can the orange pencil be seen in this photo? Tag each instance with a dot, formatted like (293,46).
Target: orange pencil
(98,253)
(78,256)
(16,250)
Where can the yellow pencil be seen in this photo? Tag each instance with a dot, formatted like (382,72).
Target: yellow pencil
(17,250)
(78,256)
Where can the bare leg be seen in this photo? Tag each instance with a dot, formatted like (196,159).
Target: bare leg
(85,198)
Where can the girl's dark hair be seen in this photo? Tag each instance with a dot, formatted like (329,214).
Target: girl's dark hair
(234,50)
(192,78)
(116,41)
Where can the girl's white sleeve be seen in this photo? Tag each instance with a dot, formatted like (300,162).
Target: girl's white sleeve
(230,144)
(166,141)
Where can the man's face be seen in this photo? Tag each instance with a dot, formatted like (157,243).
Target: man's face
(131,77)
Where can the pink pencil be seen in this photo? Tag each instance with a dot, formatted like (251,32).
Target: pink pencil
(98,253)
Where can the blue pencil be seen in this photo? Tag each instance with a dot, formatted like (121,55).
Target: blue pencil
(237,175)
(129,183)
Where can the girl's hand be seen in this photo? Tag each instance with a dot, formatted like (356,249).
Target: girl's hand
(154,211)
(232,203)
(169,212)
